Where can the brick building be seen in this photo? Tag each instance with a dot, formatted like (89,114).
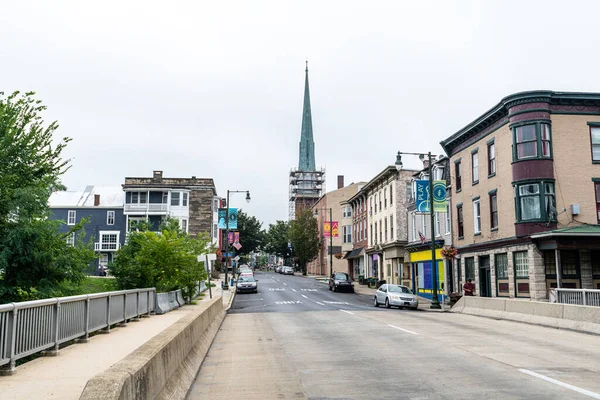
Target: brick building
(526,195)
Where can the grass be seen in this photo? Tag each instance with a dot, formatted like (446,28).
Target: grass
(97,285)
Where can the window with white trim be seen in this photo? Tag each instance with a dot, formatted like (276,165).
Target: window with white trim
(71,239)
(521,264)
(184,225)
(447,216)
(347,231)
(475,166)
(71,217)
(175,198)
(110,218)
(595,137)
(392,238)
(391,194)
(477,216)
(184,199)
(109,241)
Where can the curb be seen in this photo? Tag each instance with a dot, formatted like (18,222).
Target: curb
(230,302)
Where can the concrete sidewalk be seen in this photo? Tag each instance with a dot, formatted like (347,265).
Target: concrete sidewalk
(65,376)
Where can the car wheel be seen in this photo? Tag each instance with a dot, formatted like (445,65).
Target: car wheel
(387,303)
(375,302)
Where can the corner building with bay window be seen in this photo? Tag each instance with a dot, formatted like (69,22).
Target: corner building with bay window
(526,195)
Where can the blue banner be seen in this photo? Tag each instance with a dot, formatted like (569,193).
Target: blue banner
(422,196)
(233,215)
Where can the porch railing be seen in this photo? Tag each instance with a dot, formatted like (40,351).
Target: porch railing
(146,207)
(584,297)
(33,326)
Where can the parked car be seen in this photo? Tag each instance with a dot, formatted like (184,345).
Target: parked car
(277,268)
(246,283)
(341,281)
(288,271)
(245,270)
(395,295)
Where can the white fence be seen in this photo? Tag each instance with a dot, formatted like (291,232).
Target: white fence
(33,326)
(584,297)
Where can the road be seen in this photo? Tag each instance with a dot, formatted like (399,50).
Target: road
(296,340)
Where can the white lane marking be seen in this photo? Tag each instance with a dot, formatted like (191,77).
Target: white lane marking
(285,283)
(304,296)
(402,329)
(335,302)
(293,289)
(289,302)
(309,290)
(347,312)
(319,303)
(277,289)
(559,383)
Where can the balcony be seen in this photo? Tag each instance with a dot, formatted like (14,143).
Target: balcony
(105,246)
(146,208)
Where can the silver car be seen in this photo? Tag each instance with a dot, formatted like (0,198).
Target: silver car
(395,295)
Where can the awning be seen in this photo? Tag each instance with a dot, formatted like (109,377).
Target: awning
(354,253)
(572,231)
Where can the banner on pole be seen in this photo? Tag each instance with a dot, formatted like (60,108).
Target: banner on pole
(233,214)
(422,196)
(327,229)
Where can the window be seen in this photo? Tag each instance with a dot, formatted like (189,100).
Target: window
(475,166)
(391,194)
(447,217)
(386,230)
(458,175)
(597,190)
(595,136)
(109,241)
(371,203)
(521,267)
(215,205)
(470,268)
(536,201)
(493,211)
(380,232)
(110,218)
(71,239)
(532,141)
(459,219)
(550,262)
(175,198)
(375,204)
(184,225)
(371,232)
(165,198)
(184,199)
(491,159)
(569,261)
(476,216)
(392,238)
(501,265)
(375,232)
(71,217)
(414,227)
(215,230)
(379,197)
(385,197)
(347,231)
(143,197)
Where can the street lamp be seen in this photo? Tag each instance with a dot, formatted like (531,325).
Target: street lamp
(330,239)
(226,286)
(435,303)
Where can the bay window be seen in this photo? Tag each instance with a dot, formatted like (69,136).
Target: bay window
(535,201)
(532,140)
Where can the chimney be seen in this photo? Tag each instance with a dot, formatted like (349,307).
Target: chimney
(96,200)
(340,181)
(157,176)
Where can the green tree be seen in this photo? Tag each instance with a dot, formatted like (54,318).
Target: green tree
(35,259)
(165,260)
(252,236)
(277,238)
(304,236)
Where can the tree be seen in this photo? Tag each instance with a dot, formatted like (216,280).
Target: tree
(277,238)
(165,260)
(35,258)
(304,236)
(252,236)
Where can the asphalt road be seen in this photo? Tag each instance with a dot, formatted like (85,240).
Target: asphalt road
(296,340)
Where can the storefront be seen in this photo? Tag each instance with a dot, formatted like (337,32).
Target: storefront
(356,263)
(422,272)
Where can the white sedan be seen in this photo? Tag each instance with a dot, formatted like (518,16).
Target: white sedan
(395,295)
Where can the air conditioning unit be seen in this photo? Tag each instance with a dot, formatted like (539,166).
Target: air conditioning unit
(575,209)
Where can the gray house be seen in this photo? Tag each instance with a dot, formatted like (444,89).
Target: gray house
(104,206)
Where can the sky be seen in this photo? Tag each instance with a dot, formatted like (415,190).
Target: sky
(215,88)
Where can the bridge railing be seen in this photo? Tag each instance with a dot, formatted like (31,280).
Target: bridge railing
(584,297)
(32,326)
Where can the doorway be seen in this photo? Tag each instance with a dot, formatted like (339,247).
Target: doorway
(485,282)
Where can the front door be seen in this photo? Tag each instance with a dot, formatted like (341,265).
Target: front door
(485,285)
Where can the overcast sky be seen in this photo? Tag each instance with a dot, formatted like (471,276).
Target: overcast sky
(214,88)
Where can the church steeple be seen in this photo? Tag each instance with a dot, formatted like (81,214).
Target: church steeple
(307,145)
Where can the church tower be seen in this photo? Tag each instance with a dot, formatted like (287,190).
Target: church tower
(306,183)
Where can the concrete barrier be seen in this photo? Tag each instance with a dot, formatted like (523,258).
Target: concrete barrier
(173,300)
(162,303)
(563,316)
(166,365)
(179,297)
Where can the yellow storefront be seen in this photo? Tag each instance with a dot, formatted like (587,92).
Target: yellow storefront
(422,280)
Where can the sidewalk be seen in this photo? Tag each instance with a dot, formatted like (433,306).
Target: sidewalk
(65,376)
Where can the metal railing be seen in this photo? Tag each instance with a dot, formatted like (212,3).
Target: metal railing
(584,297)
(106,246)
(33,326)
(145,207)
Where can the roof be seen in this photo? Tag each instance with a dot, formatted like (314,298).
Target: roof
(578,230)
(110,197)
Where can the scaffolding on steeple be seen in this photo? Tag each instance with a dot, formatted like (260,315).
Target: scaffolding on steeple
(306,182)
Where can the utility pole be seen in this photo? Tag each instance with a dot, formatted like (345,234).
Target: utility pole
(435,303)
(330,243)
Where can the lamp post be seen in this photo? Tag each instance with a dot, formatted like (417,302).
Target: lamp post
(226,286)
(435,303)
(330,238)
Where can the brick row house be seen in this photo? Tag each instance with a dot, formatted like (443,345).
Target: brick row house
(526,195)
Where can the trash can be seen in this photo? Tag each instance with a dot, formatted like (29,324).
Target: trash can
(232,282)
(361,280)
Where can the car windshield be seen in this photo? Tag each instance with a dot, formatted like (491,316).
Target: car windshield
(341,277)
(246,279)
(398,289)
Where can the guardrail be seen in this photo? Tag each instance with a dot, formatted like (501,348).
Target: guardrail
(30,327)
(168,301)
(584,297)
